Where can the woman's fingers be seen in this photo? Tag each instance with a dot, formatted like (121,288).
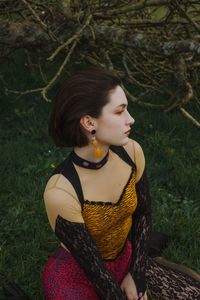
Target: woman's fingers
(145,296)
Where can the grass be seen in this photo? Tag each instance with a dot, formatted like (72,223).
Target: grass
(171,147)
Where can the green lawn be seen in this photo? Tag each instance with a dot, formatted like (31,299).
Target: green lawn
(171,147)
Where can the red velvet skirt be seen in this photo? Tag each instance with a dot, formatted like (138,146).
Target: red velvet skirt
(64,279)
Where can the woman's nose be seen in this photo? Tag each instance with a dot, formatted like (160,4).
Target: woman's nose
(130,120)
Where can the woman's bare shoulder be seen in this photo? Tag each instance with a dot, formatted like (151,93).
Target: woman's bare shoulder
(59,181)
(57,185)
(60,198)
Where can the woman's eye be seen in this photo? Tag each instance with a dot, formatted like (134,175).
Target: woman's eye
(119,112)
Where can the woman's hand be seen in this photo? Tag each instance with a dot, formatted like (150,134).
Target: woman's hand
(129,288)
(145,296)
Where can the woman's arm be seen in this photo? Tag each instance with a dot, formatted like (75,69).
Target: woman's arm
(141,226)
(77,238)
(140,233)
(66,219)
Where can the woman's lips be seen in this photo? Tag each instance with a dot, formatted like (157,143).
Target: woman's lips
(128,132)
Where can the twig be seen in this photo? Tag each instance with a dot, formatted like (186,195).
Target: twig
(92,32)
(197,99)
(181,102)
(130,96)
(174,105)
(50,84)
(132,7)
(170,100)
(151,105)
(41,72)
(7,91)
(94,61)
(69,41)
(179,8)
(44,7)
(147,23)
(189,94)
(145,74)
(107,57)
(42,24)
(187,115)
(130,75)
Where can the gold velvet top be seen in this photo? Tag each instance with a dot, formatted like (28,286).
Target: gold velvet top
(104,198)
(110,223)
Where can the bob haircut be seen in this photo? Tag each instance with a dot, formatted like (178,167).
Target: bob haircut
(84,93)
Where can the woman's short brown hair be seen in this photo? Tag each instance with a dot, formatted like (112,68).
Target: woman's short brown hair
(84,93)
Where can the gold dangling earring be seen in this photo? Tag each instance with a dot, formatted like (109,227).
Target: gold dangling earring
(97,151)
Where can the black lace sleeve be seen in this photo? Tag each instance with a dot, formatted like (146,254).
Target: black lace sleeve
(83,248)
(140,232)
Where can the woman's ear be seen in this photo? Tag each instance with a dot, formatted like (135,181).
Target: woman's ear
(87,122)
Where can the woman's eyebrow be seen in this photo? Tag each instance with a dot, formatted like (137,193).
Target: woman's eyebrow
(122,105)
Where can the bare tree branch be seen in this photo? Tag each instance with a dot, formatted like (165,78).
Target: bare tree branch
(187,115)
(183,13)
(69,41)
(37,18)
(133,7)
(53,80)
(153,45)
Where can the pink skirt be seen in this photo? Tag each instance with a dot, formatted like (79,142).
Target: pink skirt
(64,279)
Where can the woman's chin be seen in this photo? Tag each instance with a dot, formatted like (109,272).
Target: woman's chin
(124,142)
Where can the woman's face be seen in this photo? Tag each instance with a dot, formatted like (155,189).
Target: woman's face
(113,126)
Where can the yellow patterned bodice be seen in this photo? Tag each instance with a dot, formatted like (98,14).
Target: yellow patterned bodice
(109,223)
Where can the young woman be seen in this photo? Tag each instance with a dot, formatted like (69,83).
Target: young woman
(98,201)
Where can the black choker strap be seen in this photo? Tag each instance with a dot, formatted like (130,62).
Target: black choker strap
(88,164)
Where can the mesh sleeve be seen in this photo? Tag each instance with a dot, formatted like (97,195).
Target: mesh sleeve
(163,281)
(140,232)
(77,238)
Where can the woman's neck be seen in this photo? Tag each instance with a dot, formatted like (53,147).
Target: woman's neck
(87,152)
